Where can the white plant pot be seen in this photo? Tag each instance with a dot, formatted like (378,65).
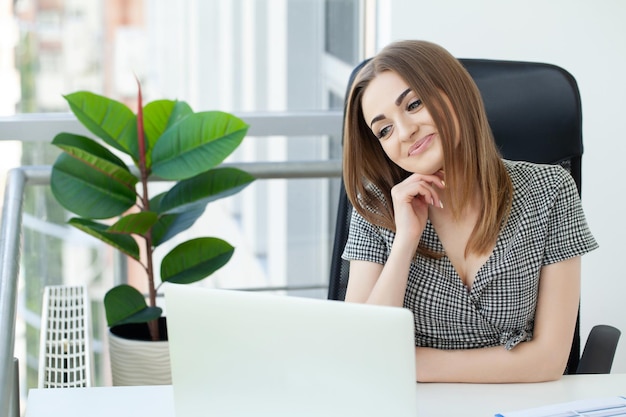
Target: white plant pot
(139,362)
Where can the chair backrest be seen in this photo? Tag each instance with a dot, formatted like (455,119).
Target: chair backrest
(534,111)
(65,355)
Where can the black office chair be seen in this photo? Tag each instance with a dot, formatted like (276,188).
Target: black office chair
(535,114)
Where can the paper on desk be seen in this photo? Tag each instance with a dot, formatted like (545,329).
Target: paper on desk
(596,407)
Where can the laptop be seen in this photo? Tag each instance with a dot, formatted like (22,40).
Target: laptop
(237,353)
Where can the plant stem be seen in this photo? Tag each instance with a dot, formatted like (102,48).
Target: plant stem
(153,325)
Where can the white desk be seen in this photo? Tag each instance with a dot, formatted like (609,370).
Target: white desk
(434,400)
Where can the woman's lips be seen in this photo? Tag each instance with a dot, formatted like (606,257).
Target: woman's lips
(419,146)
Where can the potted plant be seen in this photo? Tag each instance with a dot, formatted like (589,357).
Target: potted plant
(167,139)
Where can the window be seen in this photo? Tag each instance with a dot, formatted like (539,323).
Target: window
(241,56)
(342,30)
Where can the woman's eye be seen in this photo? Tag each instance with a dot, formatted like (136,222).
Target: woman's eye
(415,104)
(383,132)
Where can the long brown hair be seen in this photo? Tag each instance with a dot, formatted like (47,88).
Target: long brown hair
(473,165)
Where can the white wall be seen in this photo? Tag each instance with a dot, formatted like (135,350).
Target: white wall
(588,38)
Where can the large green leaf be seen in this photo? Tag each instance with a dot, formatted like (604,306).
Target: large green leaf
(88,191)
(158,116)
(122,242)
(197,192)
(125,304)
(198,142)
(96,156)
(169,225)
(135,223)
(108,119)
(195,259)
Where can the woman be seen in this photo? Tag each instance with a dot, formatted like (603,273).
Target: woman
(484,251)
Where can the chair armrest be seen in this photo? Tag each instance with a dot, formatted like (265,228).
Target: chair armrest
(597,357)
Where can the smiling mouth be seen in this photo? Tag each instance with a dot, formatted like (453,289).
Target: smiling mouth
(420,145)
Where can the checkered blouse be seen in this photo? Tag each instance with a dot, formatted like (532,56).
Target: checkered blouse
(546,225)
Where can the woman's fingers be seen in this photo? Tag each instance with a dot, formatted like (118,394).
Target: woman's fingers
(423,187)
(411,199)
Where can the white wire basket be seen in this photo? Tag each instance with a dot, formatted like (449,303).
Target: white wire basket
(65,354)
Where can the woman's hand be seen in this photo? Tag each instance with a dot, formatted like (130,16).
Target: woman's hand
(386,285)
(411,199)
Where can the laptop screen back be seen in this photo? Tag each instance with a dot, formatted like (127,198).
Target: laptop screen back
(236,353)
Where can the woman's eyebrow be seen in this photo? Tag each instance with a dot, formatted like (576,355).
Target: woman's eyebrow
(402,96)
(375,119)
(397,102)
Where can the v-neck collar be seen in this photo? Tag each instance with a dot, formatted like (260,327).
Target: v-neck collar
(482,278)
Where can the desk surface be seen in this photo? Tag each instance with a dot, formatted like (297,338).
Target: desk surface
(433,399)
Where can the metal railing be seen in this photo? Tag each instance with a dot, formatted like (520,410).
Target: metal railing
(40,128)
(37,127)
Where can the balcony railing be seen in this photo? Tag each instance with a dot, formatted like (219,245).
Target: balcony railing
(41,127)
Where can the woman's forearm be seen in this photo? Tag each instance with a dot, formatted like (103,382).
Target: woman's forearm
(527,362)
(391,285)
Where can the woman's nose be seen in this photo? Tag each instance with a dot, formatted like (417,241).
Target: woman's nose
(406,128)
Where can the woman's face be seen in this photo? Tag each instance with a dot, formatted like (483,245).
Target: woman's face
(402,124)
